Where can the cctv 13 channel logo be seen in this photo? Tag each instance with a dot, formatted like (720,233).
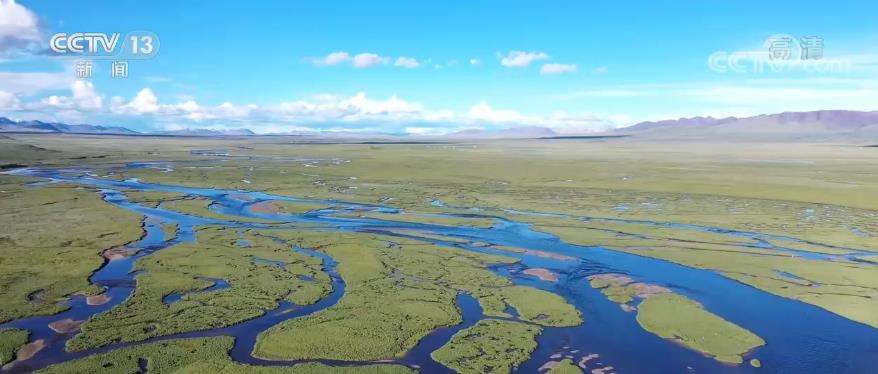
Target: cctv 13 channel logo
(135,44)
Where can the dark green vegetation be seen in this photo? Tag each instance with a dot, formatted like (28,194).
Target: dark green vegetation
(196,356)
(490,346)
(255,287)
(51,238)
(10,341)
(396,295)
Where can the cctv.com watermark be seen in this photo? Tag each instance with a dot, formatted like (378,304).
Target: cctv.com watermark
(781,53)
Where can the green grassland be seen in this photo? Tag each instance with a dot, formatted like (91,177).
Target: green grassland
(297,207)
(196,356)
(489,346)
(200,208)
(676,317)
(10,341)
(847,288)
(51,238)
(255,287)
(396,295)
(425,218)
(566,366)
(152,198)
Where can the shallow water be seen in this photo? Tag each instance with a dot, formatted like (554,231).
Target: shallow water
(801,338)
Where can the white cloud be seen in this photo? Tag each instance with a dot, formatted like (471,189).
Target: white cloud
(144,102)
(520,59)
(360,60)
(83,98)
(18,26)
(599,70)
(474,61)
(364,60)
(406,62)
(550,69)
(8,101)
(562,122)
(31,83)
(484,112)
(425,131)
(333,58)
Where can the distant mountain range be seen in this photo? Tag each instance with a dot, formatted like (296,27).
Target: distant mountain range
(8,125)
(527,132)
(205,132)
(816,125)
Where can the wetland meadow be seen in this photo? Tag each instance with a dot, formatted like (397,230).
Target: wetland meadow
(161,254)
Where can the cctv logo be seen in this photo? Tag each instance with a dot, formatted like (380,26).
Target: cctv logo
(84,42)
(135,45)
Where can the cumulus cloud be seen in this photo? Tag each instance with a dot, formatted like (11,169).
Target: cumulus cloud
(30,83)
(333,58)
(520,59)
(322,112)
(9,101)
(360,60)
(553,68)
(474,61)
(144,102)
(83,98)
(364,60)
(19,26)
(484,112)
(407,62)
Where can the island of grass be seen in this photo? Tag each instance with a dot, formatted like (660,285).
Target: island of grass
(489,346)
(51,239)
(396,296)
(10,341)
(565,366)
(848,288)
(678,318)
(285,207)
(152,198)
(425,218)
(201,208)
(186,268)
(198,356)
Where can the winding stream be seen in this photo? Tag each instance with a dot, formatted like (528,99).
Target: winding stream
(801,338)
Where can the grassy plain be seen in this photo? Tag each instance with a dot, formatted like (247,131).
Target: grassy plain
(51,238)
(823,193)
(847,288)
(426,219)
(10,341)
(489,346)
(255,288)
(566,366)
(196,356)
(676,317)
(395,295)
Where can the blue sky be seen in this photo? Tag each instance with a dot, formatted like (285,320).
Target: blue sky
(432,67)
